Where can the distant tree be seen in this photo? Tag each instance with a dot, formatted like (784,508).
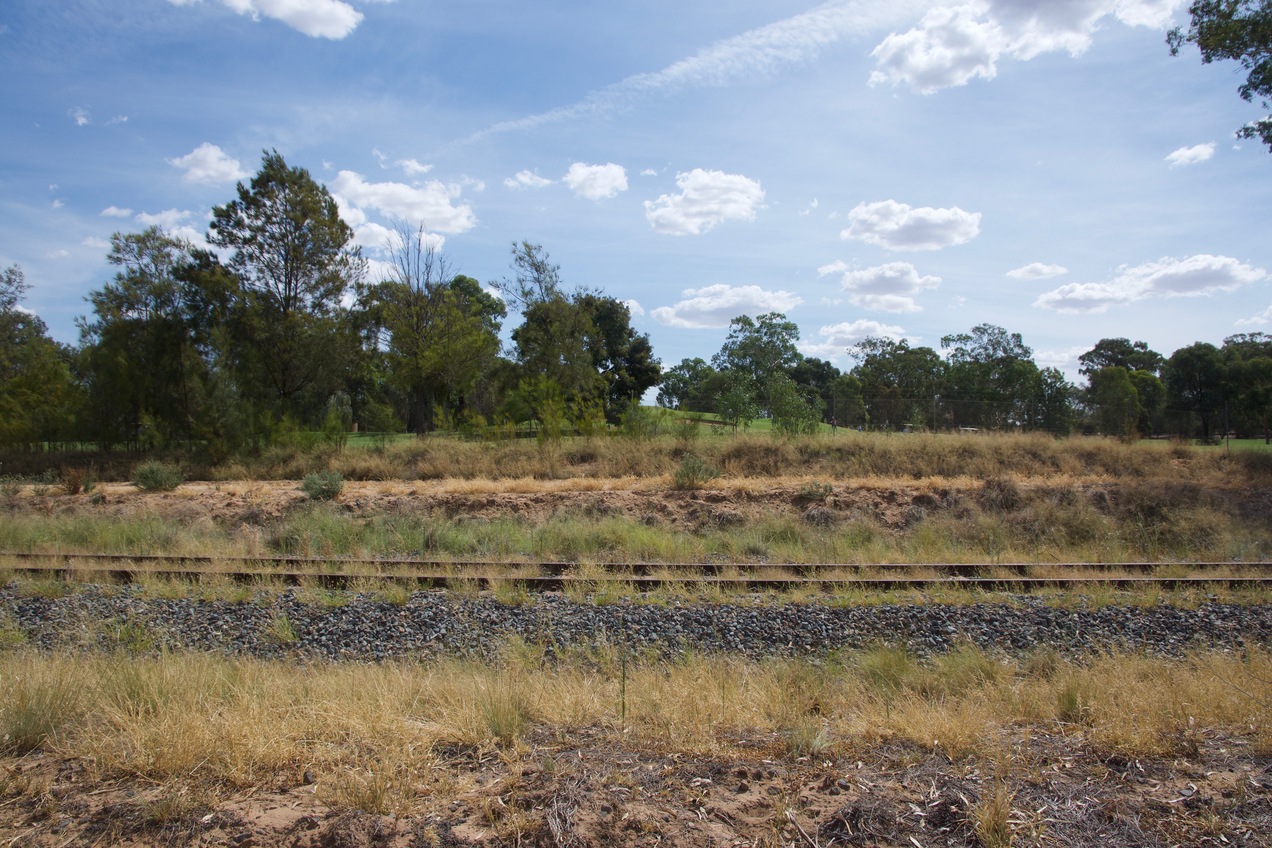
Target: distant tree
(535,277)
(576,350)
(1240,30)
(37,396)
(1248,360)
(1133,356)
(1053,410)
(1151,394)
(899,384)
(847,408)
(294,260)
(146,373)
(1195,385)
(441,331)
(793,409)
(624,358)
(1115,402)
(817,376)
(684,386)
(735,399)
(991,379)
(759,351)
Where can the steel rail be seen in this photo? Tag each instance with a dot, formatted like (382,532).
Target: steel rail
(490,574)
(634,569)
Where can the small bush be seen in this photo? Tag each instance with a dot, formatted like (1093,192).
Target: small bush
(157,477)
(73,480)
(323,485)
(694,472)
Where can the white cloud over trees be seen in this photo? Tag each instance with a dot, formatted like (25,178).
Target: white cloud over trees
(837,338)
(898,226)
(706,199)
(884,288)
(432,204)
(714,306)
(209,164)
(1202,274)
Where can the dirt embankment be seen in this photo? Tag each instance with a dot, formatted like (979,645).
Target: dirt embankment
(892,504)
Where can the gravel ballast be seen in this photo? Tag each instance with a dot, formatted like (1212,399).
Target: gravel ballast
(434,624)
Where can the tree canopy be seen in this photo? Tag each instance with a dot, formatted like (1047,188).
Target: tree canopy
(1241,31)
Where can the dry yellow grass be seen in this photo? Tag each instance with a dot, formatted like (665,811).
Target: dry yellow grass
(372,733)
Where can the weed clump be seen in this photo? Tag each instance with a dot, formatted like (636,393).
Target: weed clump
(694,473)
(157,477)
(323,485)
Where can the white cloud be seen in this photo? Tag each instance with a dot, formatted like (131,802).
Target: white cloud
(885,288)
(634,308)
(316,18)
(1202,274)
(706,198)
(1037,271)
(371,235)
(60,253)
(80,116)
(57,203)
(526,179)
(115,212)
(412,167)
(896,226)
(954,44)
(96,243)
(837,338)
(1261,320)
(1191,155)
(431,204)
(118,119)
(1066,359)
(209,164)
(176,223)
(166,219)
(649,172)
(716,306)
(596,182)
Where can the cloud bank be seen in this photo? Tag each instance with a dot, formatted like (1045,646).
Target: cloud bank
(955,43)
(715,306)
(1195,276)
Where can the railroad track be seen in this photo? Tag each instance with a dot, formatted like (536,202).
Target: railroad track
(342,572)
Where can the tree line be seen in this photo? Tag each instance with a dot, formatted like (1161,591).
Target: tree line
(279,333)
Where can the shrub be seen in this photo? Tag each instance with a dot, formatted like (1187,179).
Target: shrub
(323,485)
(694,472)
(156,477)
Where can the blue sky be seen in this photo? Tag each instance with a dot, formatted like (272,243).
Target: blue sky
(869,168)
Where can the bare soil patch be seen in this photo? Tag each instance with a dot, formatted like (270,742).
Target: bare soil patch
(587,787)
